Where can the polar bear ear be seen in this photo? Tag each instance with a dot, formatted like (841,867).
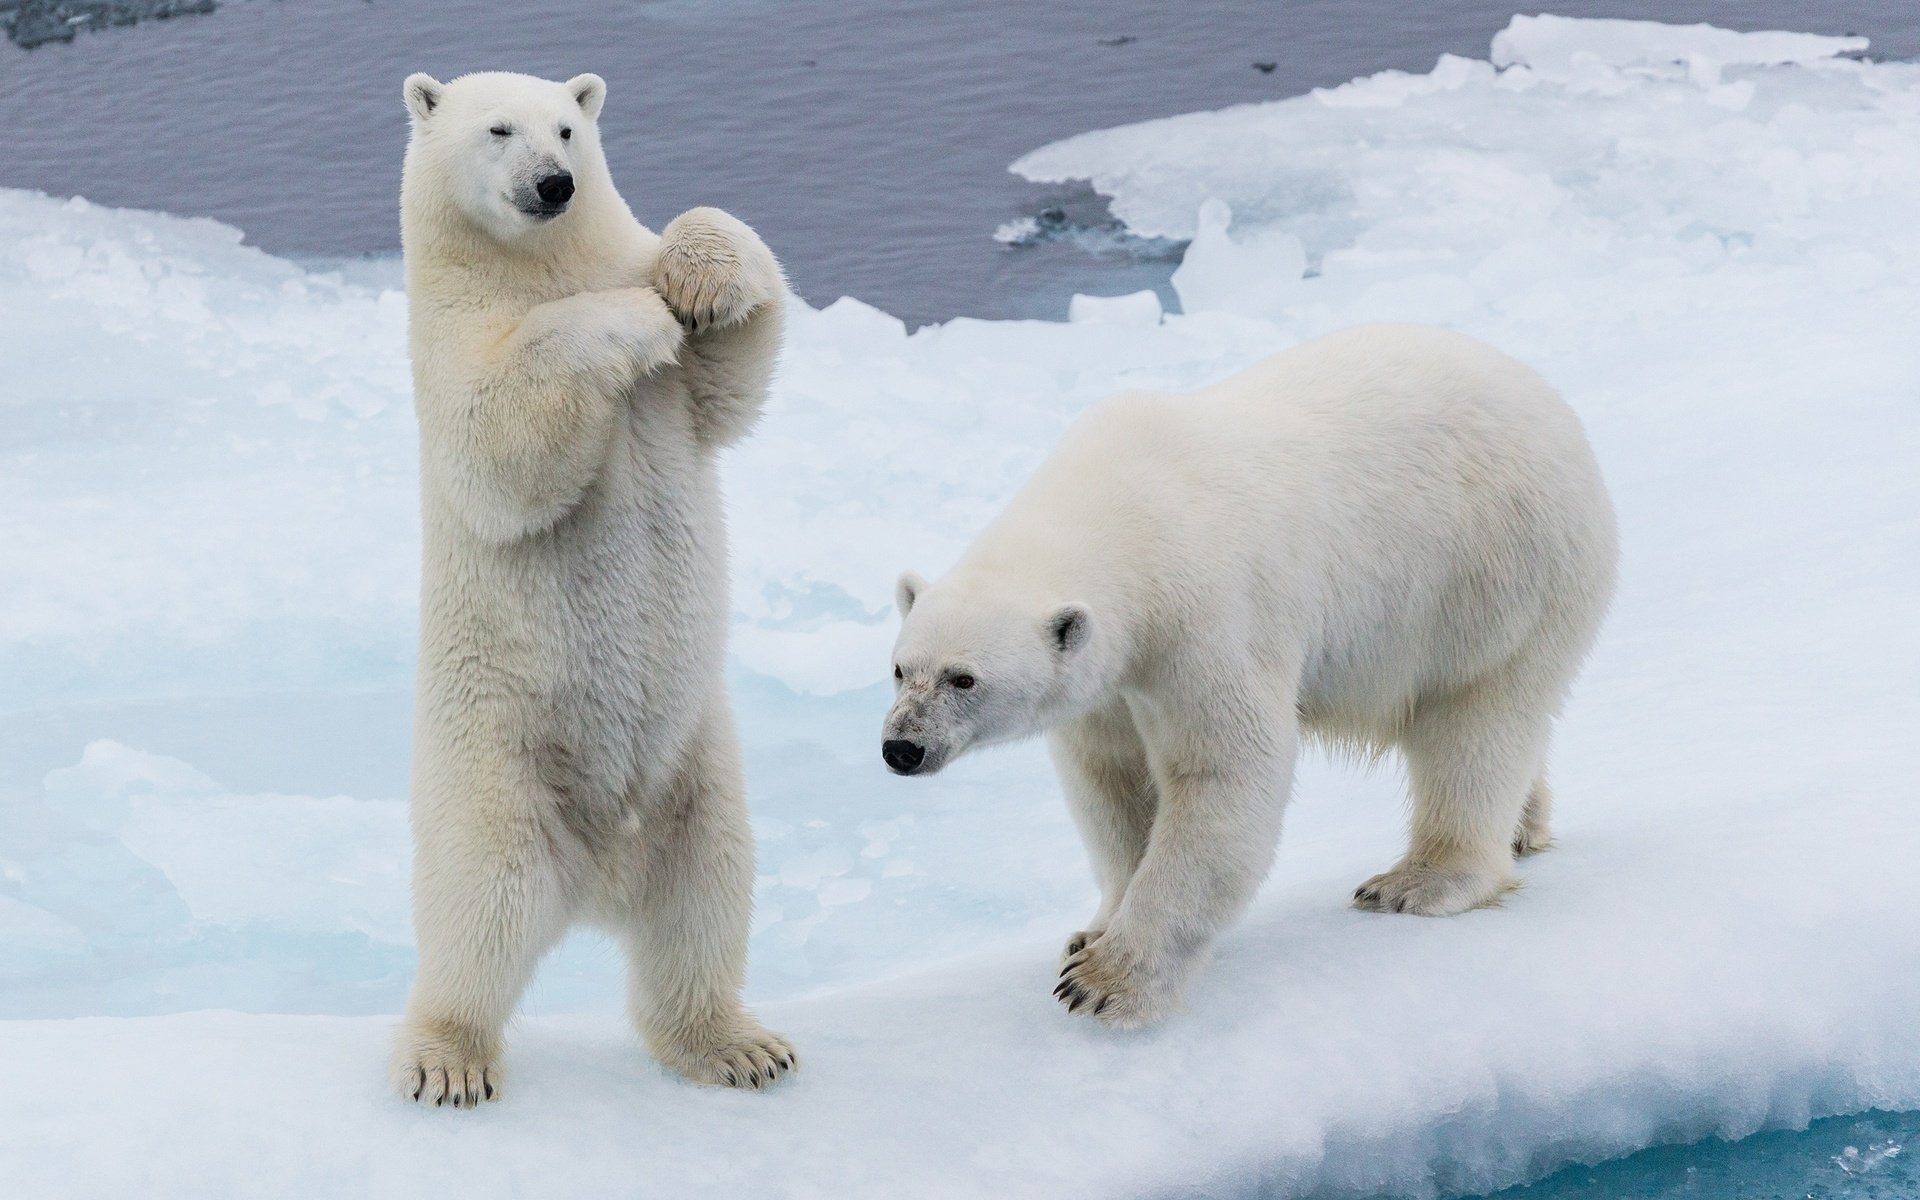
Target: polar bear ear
(1069,627)
(423,94)
(589,92)
(907,591)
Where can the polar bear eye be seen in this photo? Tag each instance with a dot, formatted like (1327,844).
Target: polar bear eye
(963,682)
(500,131)
(898,673)
(566,133)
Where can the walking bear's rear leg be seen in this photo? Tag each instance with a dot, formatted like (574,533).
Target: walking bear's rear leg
(1472,760)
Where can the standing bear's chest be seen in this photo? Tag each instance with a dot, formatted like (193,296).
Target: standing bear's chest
(640,568)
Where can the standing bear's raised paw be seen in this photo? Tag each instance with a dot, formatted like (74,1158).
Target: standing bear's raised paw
(713,270)
(443,1064)
(1113,985)
(743,1055)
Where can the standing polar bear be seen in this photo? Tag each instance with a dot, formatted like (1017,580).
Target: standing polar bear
(574,754)
(1393,536)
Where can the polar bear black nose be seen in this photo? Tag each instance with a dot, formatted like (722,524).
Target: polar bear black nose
(555,189)
(903,757)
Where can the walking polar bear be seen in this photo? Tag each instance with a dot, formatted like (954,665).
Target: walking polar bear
(574,754)
(1390,537)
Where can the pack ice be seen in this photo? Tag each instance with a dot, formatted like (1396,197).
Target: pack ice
(1706,239)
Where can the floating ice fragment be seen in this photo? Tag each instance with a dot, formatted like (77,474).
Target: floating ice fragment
(1140,308)
(1256,276)
(1855,1161)
(1555,47)
(1018,232)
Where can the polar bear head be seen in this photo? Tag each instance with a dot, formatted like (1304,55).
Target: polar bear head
(510,153)
(979,662)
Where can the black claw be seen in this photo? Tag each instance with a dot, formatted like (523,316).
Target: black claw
(489,1088)
(1077,1002)
(1102,1006)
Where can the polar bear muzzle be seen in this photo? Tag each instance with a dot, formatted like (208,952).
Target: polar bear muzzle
(902,756)
(555,191)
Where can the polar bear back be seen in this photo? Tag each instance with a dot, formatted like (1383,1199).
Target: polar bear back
(1380,513)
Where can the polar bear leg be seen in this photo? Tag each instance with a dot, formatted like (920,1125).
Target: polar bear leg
(1472,760)
(488,902)
(687,932)
(725,286)
(1102,764)
(1223,768)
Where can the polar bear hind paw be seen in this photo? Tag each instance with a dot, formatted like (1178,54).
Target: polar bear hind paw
(1431,890)
(750,1058)
(1080,941)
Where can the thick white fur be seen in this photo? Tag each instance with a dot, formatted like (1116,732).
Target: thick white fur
(574,753)
(1390,537)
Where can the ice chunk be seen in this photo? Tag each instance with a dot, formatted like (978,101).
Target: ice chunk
(1257,276)
(1134,308)
(1554,47)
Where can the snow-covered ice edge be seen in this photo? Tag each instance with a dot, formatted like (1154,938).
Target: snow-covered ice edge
(1698,974)
(1704,238)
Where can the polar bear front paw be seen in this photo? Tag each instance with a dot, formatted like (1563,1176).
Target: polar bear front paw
(746,1056)
(443,1065)
(644,327)
(1112,985)
(713,270)
(1431,890)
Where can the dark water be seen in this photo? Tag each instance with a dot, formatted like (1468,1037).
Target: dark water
(868,141)
(1869,1157)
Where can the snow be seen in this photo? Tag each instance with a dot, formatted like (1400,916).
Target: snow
(206,621)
